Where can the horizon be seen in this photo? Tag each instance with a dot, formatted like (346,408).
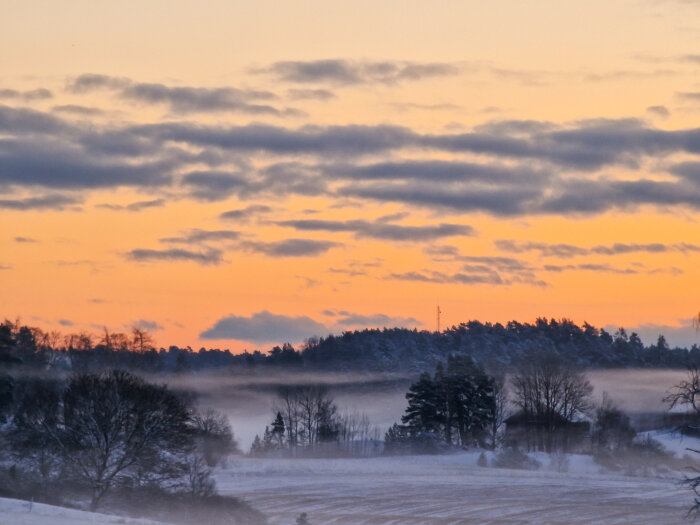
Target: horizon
(684,336)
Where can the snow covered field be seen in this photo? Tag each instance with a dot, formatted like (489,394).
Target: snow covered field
(420,490)
(449,489)
(16,512)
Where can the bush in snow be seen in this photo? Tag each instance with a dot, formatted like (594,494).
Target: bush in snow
(514,458)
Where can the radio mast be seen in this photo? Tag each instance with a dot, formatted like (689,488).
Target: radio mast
(438,317)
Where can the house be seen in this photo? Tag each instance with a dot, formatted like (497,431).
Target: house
(533,433)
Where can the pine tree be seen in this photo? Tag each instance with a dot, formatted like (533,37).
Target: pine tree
(457,404)
(424,411)
(267,444)
(256,448)
(278,430)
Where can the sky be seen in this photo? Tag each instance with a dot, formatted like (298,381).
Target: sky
(240,174)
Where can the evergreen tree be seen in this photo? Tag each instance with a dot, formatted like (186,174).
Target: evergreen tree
(268,445)
(256,448)
(278,430)
(457,403)
(425,406)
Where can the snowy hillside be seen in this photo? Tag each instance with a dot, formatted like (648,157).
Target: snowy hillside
(450,489)
(17,512)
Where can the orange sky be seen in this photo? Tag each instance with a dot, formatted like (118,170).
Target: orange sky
(509,160)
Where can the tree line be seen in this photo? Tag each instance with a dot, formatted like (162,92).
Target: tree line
(307,422)
(389,349)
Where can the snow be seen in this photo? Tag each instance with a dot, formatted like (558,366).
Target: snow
(16,512)
(422,490)
(674,441)
(450,489)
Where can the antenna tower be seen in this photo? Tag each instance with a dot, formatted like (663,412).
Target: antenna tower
(438,317)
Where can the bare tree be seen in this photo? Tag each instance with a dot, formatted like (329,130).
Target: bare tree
(317,412)
(499,409)
(356,434)
(290,409)
(686,392)
(113,428)
(141,340)
(612,430)
(214,435)
(550,393)
(309,414)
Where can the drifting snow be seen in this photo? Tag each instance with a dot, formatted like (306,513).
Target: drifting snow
(450,489)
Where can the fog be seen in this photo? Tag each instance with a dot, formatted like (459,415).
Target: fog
(249,400)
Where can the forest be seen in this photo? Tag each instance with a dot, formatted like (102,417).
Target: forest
(376,350)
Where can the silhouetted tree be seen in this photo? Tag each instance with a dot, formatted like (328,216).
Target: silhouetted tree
(612,429)
(112,428)
(278,429)
(550,393)
(458,403)
(213,435)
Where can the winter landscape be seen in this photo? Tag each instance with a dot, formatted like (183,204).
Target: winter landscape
(299,262)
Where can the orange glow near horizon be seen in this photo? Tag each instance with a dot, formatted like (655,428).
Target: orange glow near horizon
(513,74)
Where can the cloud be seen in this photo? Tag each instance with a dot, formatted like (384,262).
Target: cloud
(545,249)
(206,257)
(183,99)
(601,268)
(27,96)
(214,185)
(46,202)
(351,272)
(25,240)
(192,99)
(65,322)
(527,167)
(659,111)
(91,82)
(145,324)
(382,230)
(629,75)
(349,319)
(265,327)
(345,72)
(565,251)
(454,278)
(20,121)
(439,171)
(687,170)
(310,94)
(689,96)
(74,109)
(197,236)
(134,206)
(245,214)
(495,200)
(340,140)
(57,166)
(290,247)
(403,106)
(583,146)
(623,248)
(693,59)
(483,268)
